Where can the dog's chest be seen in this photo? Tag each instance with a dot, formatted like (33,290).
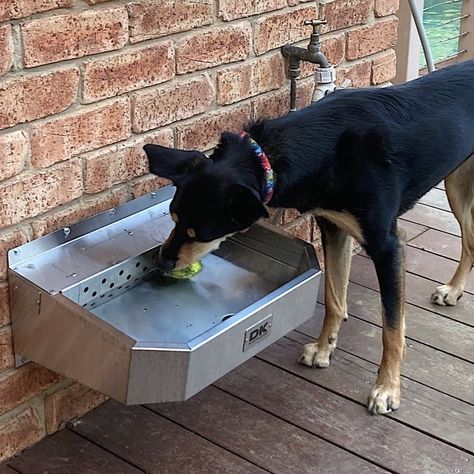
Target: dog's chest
(345,221)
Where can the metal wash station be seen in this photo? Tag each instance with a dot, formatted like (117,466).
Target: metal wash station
(89,303)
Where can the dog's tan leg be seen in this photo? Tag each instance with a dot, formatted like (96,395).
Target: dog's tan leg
(460,191)
(337,246)
(389,260)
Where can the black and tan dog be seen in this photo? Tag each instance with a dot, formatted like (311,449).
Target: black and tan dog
(357,159)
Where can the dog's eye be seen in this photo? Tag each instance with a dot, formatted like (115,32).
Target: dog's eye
(191,232)
(174,216)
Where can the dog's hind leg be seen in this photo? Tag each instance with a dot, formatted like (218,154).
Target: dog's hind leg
(388,257)
(460,191)
(337,246)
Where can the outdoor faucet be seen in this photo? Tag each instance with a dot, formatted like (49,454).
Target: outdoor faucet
(325,73)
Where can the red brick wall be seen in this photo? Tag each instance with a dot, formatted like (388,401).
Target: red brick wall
(84,84)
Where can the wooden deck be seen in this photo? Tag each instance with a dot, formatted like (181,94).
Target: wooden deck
(273,415)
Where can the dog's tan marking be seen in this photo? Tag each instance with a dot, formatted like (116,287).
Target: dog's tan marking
(191,233)
(344,221)
(191,252)
(174,217)
(460,191)
(337,246)
(385,395)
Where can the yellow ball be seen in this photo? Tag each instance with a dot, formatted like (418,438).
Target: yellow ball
(187,272)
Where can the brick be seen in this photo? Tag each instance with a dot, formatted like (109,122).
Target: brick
(13,150)
(9,240)
(333,47)
(69,403)
(207,49)
(246,80)
(302,228)
(105,168)
(6,49)
(290,215)
(19,431)
(150,19)
(371,39)
(31,195)
(128,71)
(56,38)
(19,385)
(30,97)
(275,104)
(272,105)
(384,67)
(6,348)
(231,10)
(85,130)
(342,14)
(147,184)
(77,212)
(386,7)
(164,105)
(359,74)
(273,31)
(13,9)
(204,133)
(4,303)
(304,93)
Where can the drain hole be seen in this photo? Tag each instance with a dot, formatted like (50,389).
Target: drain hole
(121,272)
(104,280)
(227,316)
(102,296)
(129,276)
(112,285)
(86,289)
(145,269)
(94,294)
(120,287)
(137,264)
(92,304)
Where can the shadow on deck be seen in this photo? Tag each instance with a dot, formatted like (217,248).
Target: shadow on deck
(273,415)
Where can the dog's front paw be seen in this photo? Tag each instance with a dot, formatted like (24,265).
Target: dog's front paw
(314,356)
(383,399)
(446,295)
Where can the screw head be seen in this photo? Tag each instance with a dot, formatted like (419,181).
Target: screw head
(66,231)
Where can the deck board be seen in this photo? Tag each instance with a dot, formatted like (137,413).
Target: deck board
(425,364)
(155,444)
(274,415)
(58,453)
(322,412)
(439,243)
(258,436)
(423,408)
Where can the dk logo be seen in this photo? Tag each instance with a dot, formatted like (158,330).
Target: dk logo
(257,332)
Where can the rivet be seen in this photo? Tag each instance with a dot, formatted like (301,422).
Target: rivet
(113,211)
(74,274)
(457,470)
(367,381)
(130,232)
(66,231)
(356,391)
(16,251)
(15,287)
(153,195)
(465,459)
(410,346)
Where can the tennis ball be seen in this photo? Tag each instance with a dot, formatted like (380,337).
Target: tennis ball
(187,272)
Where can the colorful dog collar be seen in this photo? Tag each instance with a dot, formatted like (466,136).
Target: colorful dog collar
(269,178)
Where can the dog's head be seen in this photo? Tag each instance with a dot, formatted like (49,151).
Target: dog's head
(214,199)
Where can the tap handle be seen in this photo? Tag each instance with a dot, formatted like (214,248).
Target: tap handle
(316,23)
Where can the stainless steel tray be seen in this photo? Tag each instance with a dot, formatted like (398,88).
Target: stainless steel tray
(89,303)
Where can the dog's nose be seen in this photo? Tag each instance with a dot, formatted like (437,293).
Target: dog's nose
(164,264)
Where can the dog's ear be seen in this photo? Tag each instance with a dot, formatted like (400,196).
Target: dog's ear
(171,163)
(244,205)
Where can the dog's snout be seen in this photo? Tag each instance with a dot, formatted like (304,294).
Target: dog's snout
(166,265)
